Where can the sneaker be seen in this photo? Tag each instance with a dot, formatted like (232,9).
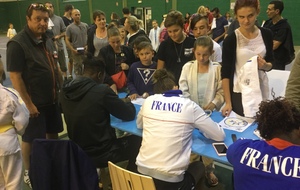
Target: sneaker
(27,180)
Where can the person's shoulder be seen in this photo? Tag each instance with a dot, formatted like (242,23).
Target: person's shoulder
(166,42)
(189,63)
(215,64)
(103,52)
(164,45)
(104,90)
(153,65)
(153,97)
(242,144)
(126,49)
(57,17)
(135,64)
(189,39)
(142,32)
(236,150)
(225,20)
(189,42)
(284,23)
(216,45)
(61,20)
(85,24)
(91,30)
(17,39)
(265,31)
(105,87)
(70,26)
(12,93)
(230,38)
(2,89)
(189,105)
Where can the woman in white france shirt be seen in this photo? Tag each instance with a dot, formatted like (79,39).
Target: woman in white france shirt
(168,121)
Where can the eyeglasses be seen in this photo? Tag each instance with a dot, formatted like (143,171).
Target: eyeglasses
(37,6)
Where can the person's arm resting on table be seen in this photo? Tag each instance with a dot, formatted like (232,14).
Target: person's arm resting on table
(207,126)
(124,110)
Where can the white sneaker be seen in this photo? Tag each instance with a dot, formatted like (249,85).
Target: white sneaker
(27,180)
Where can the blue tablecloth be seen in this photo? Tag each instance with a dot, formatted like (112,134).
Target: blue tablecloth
(201,145)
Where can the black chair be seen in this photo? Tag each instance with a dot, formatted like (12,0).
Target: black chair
(61,165)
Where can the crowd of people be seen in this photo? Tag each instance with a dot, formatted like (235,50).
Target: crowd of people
(186,65)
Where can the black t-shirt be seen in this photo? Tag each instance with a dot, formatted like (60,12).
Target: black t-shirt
(281,33)
(67,21)
(176,55)
(19,61)
(36,61)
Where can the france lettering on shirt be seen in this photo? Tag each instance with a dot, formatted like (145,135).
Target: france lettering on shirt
(286,166)
(170,106)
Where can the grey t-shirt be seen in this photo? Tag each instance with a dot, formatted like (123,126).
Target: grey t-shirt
(99,43)
(77,34)
(58,28)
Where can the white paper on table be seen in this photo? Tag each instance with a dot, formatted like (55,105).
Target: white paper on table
(138,101)
(236,122)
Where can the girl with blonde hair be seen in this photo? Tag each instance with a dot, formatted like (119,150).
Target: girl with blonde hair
(134,27)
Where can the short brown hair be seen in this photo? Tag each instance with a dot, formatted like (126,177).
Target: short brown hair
(98,13)
(36,6)
(174,18)
(246,3)
(144,45)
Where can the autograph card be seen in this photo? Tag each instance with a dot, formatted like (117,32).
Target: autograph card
(236,122)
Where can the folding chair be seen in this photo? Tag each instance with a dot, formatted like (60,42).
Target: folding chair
(123,179)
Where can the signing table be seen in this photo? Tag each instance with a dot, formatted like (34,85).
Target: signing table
(201,145)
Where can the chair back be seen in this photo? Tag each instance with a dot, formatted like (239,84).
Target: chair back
(123,179)
(61,165)
(277,82)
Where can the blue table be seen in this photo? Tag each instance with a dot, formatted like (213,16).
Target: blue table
(201,145)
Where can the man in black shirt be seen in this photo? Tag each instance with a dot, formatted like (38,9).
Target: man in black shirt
(34,74)
(87,104)
(67,18)
(283,46)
